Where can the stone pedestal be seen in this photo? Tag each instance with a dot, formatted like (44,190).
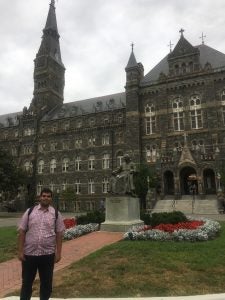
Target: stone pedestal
(122,212)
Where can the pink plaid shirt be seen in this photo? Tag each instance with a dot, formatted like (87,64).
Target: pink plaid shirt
(41,236)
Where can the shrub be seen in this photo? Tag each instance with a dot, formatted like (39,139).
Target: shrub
(163,218)
(91,217)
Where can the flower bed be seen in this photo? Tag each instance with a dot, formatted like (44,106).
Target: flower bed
(193,230)
(79,230)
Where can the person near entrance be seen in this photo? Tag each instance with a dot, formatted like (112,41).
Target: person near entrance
(40,245)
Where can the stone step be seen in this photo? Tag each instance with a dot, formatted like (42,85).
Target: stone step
(187,206)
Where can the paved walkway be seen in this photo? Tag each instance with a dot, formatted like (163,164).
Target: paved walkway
(10,271)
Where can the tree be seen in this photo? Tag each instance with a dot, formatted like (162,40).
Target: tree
(11,177)
(144,174)
(69,197)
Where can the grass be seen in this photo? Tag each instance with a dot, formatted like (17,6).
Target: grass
(8,243)
(144,269)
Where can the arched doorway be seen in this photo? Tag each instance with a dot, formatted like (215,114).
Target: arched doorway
(209,182)
(184,180)
(168,183)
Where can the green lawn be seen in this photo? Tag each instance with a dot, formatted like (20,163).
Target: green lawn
(145,268)
(139,269)
(8,243)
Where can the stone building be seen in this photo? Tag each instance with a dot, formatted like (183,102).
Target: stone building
(172,118)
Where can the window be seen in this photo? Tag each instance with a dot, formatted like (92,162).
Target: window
(41,166)
(39,187)
(78,143)
(65,165)
(105,139)
(119,159)
(53,146)
(105,185)
(54,128)
(52,186)
(183,67)
(64,185)
(66,145)
(91,141)
(77,163)
(42,147)
(28,166)
(119,137)
(27,149)
(77,186)
(14,151)
(151,153)
(105,161)
(79,124)
(16,133)
(42,129)
(77,206)
(178,115)
(150,119)
(195,112)
(223,112)
(223,95)
(91,186)
(66,126)
(52,166)
(91,162)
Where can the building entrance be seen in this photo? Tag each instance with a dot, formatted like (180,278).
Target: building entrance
(185,183)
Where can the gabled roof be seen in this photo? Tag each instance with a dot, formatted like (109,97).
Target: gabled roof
(183,47)
(88,106)
(207,54)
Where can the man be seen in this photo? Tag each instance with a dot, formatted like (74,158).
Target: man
(40,245)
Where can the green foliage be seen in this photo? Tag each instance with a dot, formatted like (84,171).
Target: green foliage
(141,181)
(91,217)
(163,218)
(11,177)
(68,195)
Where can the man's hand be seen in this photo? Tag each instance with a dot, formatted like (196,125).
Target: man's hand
(21,256)
(57,257)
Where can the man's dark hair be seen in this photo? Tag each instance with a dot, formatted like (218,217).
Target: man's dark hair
(46,190)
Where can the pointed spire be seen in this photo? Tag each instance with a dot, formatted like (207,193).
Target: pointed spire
(51,22)
(132,60)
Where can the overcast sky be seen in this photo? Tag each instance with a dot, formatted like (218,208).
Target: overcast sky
(95,41)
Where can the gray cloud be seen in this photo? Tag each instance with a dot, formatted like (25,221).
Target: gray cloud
(95,41)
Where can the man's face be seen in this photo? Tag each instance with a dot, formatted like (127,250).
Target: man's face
(45,199)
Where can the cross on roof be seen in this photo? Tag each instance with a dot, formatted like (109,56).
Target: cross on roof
(181,31)
(170,45)
(202,38)
(132,46)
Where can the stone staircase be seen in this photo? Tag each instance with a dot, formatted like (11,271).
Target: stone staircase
(188,206)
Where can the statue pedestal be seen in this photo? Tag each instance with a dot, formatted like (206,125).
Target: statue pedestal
(122,212)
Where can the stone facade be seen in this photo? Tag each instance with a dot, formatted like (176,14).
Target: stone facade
(172,118)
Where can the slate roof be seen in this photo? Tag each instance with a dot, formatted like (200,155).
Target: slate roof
(132,61)
(207,54)
(88,106)
(9,119)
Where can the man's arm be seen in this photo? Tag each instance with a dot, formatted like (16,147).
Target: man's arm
(21,240)
(58,246)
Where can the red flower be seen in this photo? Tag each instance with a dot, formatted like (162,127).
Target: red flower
(191,225)
(70,223)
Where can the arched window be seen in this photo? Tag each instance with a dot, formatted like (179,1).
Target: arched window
(223,95)
(41,166)
(65,165)
(183,67)
(191,67)
(105,139)
(28,166)
(178,114)
(176,69)
(196,112)
(52,165)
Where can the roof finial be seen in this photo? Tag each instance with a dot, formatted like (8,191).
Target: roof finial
(170,45)
(181,32)
(202,38)
(132,47)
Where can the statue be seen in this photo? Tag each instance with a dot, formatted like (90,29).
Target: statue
(122,181)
